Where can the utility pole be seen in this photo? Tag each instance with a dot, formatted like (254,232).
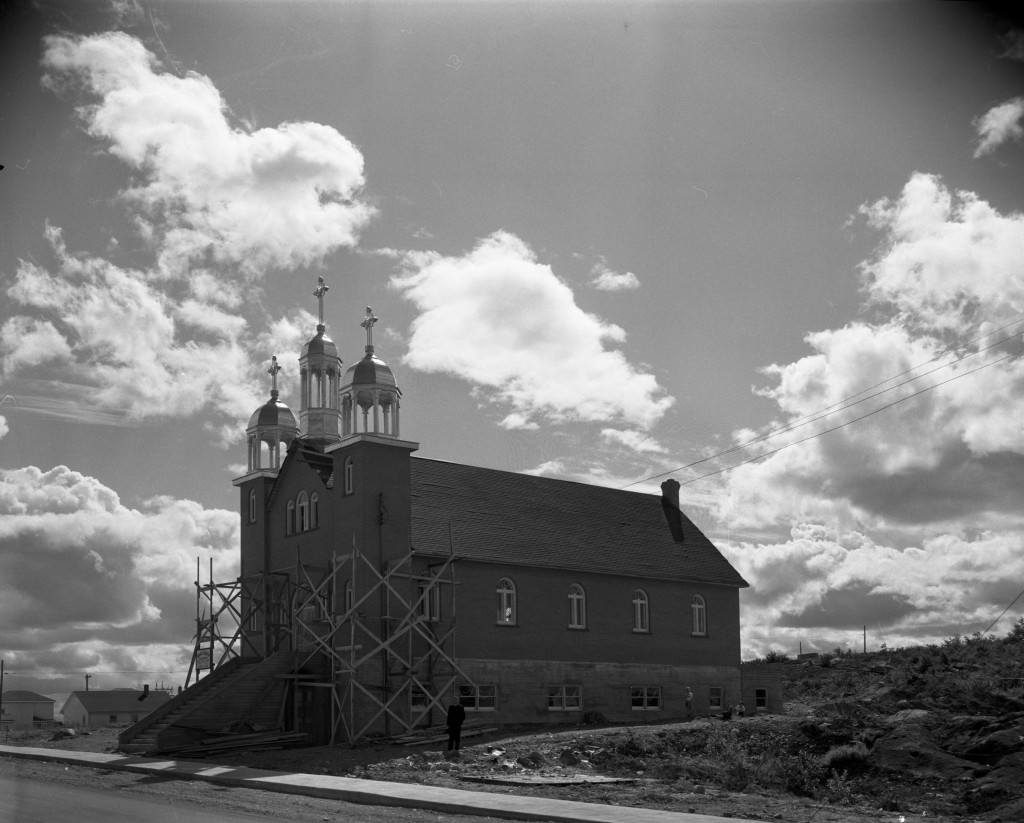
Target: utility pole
(865,640)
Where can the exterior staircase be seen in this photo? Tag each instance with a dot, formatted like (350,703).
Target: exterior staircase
(245,690)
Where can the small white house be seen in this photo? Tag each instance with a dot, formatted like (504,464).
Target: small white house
(96,709)
(22,709)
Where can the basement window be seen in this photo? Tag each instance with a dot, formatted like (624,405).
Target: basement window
(481,697)
(715,697)
(645,698)
(565,698)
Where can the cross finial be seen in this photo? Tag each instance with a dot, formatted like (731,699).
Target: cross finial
(272,371)
(367,324)
(321,289)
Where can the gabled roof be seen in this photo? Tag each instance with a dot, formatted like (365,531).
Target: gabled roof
(119,700)
(521,519)
(21,696)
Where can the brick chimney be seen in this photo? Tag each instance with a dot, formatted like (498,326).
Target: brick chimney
(670,492)
(670,505)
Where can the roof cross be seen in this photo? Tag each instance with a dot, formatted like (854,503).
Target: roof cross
(321,289)
(367,324)
(272,371)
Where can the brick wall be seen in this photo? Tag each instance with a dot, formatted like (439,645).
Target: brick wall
(541,630)
(606,688)
(764,676)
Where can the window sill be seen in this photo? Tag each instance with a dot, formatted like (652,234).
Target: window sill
(641,631)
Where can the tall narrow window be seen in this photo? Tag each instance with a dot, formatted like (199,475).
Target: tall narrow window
(428,598)
(577,607)
(302,505)
(314,510)
(641,612)
(700,615)
(252,505)
(289,520)
(348,475)
(506,602)
(348,596)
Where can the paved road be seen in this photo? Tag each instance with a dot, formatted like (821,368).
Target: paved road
(37,801)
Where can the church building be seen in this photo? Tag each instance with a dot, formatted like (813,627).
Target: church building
(399,584)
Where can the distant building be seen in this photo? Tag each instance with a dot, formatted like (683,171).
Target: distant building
(23,709)
(96,709)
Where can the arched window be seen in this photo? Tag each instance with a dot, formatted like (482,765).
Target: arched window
(348,475)
(506,602)
(641,612)
(577,607)
(314,511)
(252,505)
(700,615)
(302,504)
(289,520)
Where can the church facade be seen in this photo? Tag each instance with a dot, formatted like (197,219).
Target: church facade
(403,584)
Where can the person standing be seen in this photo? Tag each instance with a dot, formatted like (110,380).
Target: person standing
(456,717)
(689,704)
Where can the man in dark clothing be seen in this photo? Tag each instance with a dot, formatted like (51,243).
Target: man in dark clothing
(456,717)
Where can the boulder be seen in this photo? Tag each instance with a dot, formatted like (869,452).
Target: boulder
(910,749)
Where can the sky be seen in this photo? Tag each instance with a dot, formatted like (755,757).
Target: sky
(772,249)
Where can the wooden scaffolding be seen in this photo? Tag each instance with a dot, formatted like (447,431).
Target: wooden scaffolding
(385,657)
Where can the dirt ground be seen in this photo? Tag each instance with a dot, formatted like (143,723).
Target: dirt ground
(562,764)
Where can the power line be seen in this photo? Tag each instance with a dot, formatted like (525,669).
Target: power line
(827,411)
(850,422)
(1004,611)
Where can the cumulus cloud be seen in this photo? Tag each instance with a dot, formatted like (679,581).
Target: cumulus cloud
(633,440)
(912,513)
(81,571)
(999,125)
(822,586)
(141,351)
(604,279)
(500,319)
(947,260)
(278,197)
(215,204)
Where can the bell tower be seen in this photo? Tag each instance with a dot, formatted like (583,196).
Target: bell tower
(320,373)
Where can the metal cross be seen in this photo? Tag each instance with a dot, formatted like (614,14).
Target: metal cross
(367,324)
(272,371)
(321,289)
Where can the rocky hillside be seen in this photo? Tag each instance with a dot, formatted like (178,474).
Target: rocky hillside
(951,714)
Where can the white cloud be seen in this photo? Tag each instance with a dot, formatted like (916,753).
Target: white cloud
(604,279)
(914,511)
(633,440)
(999,125)
(278,197)
(78,567)
(498,318)
(140,350)
(822,587)
(216,205)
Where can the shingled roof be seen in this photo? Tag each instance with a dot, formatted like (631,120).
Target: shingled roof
(520,519)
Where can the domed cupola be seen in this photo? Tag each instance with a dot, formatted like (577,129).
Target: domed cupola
(369,394)
(320,373)
(272,424)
